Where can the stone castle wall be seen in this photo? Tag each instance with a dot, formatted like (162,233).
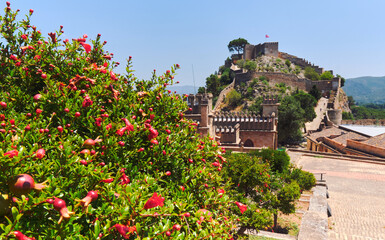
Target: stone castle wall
(365,122)
(267,49)
(260,139)
(290,80)
(223,94)
(300,62)
(366,148)
(234,129)
(271,49)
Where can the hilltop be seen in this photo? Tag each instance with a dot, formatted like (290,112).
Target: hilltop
(263,70)
(262,74)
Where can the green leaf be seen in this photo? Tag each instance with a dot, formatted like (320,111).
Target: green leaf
(15,212)
(138,229)
(97,229)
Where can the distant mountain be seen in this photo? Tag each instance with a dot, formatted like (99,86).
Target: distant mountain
(183,89)
(366,89)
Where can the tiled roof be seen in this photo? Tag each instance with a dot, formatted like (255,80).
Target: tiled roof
(349,135)
(330,131)
(378,141)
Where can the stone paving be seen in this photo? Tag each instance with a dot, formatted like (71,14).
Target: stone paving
(357,196)
(320,111)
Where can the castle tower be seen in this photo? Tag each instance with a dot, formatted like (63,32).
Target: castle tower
(270,105)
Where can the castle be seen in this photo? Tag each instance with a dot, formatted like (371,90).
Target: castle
(245,131)
(236,131)
(271,49)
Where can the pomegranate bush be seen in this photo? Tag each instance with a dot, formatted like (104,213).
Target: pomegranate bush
(89,154)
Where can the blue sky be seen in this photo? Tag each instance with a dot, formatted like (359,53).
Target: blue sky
(345,36)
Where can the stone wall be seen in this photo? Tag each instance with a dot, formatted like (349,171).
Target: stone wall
(335,115)
(223,94)
(267,49)
(336,145)
(248,52)
(365,122)
(324,85)
(274,78)
(292,80)
(300,62)
(363,147)
(260,138)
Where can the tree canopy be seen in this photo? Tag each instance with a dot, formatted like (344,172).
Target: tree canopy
(237,45)
(290,120)
(327,75)
(311,74)
(307,102)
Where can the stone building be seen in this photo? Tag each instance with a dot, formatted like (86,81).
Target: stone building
(339,139)
(254,51)
(236,130)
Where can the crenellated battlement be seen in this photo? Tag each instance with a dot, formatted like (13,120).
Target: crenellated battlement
(300,62)
(271,49)
(235,128)
(196,101)
(246,121)
(267,49)
(270,99)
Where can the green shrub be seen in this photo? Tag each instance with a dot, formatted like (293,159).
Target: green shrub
(265,82)
(327,75)
(311,74)
(249,179)
(250,65)
(305,180)
(278,160)
(347,116)
(288,63)
(233,98)
(263,78)
(68,119)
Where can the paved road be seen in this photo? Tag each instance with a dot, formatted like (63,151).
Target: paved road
(357,196)
(320,110)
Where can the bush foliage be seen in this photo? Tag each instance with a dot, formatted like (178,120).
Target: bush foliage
(117,156)
(269,184)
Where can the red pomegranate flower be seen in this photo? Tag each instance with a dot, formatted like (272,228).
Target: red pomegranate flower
(242,207)
(87,101)
(12,153)
(129,126)
(53,36)
(124,230)
(86,46)
(154,201)
(21,236)
(153,133)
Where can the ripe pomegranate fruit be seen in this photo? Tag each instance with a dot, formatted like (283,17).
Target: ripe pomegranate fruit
(40,153)
(60,205)
(3,105)
(23,184)
(91,196)
(89,143)
(85,152)
(37,97)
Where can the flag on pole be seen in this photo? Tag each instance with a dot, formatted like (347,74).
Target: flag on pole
(267,36)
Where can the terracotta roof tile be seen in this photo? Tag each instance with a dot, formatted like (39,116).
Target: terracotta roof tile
(378,141)
(327,132)
(349,135)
